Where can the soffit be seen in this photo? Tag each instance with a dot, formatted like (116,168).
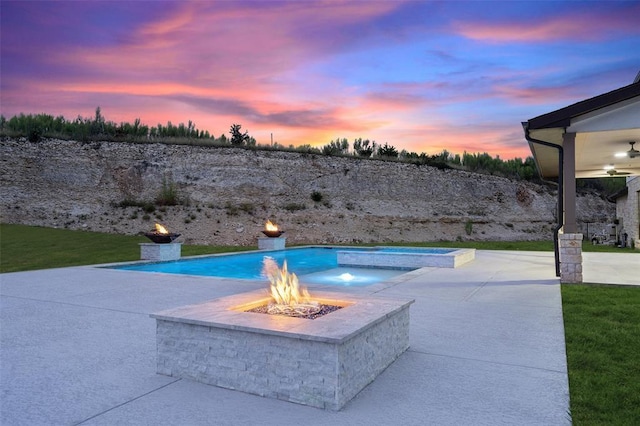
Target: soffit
(600,134)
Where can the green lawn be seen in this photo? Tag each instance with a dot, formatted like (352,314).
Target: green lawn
(24,248)
(602,323)
(515,245)
(602,333)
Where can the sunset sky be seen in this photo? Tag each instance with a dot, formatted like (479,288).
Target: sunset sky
(419,75)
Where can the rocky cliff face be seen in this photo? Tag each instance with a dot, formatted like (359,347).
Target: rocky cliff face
(229,193)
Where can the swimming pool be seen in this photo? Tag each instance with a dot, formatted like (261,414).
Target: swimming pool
(245,265)
(352,266)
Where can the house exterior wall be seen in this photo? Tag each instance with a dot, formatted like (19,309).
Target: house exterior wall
(628,212)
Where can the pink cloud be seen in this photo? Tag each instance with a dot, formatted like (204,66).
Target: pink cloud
(593,25)
(187,64)
(536,95)
(425,96)
(213,53)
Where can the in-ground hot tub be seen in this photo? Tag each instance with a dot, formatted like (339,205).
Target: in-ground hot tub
(322,362)
(406,257)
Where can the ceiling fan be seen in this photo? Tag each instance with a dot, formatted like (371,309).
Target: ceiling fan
(633,153)
(614,172)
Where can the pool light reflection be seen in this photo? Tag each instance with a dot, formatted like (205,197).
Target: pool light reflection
(347,279)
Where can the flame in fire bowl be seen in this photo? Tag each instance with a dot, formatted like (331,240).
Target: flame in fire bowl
(160,235)
(272,230)
(330,359)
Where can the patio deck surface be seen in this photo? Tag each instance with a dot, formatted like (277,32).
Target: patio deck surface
(486,348)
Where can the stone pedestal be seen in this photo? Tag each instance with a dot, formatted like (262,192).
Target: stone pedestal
(570,258)
(266,243)
(153,251)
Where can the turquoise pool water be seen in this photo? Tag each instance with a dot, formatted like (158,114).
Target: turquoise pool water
(248,265)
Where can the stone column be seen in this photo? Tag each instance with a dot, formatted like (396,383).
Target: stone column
(570,258)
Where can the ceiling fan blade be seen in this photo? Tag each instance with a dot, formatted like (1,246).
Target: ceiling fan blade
(613,172)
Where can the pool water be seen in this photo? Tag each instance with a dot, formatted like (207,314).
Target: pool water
(301,261)
(245,265)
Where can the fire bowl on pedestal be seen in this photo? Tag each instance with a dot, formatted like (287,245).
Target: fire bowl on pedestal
(160,238)
(272,234)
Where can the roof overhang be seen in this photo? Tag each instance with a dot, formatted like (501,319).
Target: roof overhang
(604,126)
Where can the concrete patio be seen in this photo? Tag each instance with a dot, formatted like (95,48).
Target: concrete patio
(486,348)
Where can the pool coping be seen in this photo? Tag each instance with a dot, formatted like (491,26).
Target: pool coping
(411,259)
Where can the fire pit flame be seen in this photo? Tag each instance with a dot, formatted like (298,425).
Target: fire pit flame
(161,229)
(289,297)
(161,235)
(270,226)
(271,230)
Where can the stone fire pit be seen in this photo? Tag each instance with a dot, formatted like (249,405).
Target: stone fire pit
(322,362)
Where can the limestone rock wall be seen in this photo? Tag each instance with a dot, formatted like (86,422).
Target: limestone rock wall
(229,193)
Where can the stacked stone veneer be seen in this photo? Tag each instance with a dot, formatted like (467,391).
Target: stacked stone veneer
(627,207)
(395,260)
(268,243)
(160,252)
(570,258)
(322,363)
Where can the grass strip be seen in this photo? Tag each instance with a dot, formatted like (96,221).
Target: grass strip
(25,248)
(602,334)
